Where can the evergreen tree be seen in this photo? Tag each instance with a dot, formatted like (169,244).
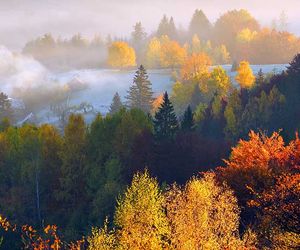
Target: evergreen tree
(140,93)
(187,123)
(260,78)
(167,28)
(116,104)
(72,191)
(294,67)
(163,27)
(200,25)
(138,37)
(5,107)
(172,32)
(165,120)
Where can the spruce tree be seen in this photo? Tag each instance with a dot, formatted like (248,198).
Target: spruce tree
(187,123)
(116,104)
(140,93)
(165,120)
(260,78)
(200,25)
(138,37)
(163,27)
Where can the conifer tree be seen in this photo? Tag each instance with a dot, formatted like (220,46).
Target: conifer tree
(165,120)
(163,27)
(116,104)
(140,93)
(187,123)
(138,37)
(200,25)
(260,78)
(167,28)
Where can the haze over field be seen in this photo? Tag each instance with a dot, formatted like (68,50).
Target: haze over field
(21,20)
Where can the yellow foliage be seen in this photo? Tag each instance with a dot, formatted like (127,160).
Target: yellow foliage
(203,215)
(153,53)
(172,54)
(157,103)
(102,239)
(140,216)
(120,54)
(245,76)
(246,35)
(195,66)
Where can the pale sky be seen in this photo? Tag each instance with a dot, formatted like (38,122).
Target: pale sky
(21,20)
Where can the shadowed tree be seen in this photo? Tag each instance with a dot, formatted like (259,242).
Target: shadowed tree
(165,120)
(187,123)
(116,104)
(140,93)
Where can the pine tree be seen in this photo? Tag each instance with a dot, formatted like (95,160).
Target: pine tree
(167,28)
(163,27)
(172,32)
(140,93)
(165,120)
(294,67)
(187,123)
(116,104)
(138,37)
(260,78)
(200,25)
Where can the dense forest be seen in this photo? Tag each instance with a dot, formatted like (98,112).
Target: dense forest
(225,161)
(212,163)
(235,36)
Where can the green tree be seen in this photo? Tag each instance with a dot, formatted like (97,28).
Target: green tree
(260,78)
(116,104)
(233,112)
(187,123)
(140,93)
(165,120)
(72,191)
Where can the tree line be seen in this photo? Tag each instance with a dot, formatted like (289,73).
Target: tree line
(235,36)
(71,179)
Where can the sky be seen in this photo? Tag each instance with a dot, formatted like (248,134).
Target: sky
(22,20)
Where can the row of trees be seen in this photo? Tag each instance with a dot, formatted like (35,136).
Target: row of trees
(258,208)
(71,179)
(235,36)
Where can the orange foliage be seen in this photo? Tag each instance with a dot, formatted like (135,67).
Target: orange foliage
(265,174)
(195,66)
(157,103)
(46,240)
(172,54)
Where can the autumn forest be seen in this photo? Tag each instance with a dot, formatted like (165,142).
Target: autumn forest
(212,162)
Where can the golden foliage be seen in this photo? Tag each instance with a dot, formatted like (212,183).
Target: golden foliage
(140,216)
(120,54)
(245,76)
(153,53)
(102,239)
(203,215)
(172,54)
(157,103)
(195,66)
